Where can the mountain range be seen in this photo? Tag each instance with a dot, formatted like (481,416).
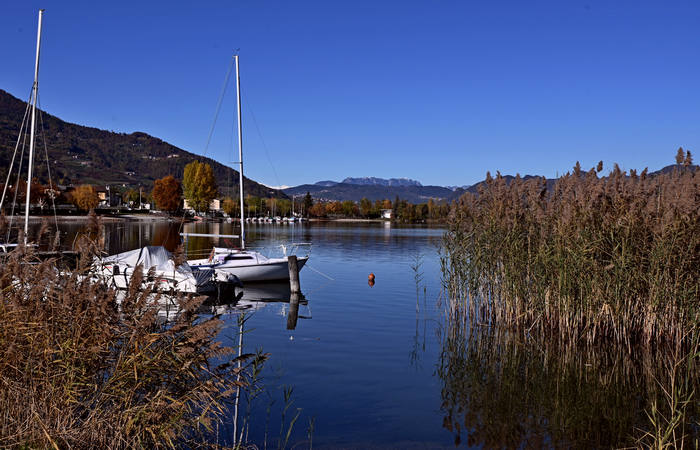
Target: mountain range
(85,155)
(410,190)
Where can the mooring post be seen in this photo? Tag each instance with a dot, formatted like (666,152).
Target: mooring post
(293,313)
(293,274)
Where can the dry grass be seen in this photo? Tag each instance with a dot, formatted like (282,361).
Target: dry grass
(596,260)
(78,371)
(595,266)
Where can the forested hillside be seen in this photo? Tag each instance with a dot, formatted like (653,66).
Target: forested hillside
(80,154)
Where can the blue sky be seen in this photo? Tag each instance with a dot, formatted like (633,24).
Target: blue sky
(439,91)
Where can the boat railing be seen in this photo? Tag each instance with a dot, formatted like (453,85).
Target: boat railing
(300,249)
(296,248)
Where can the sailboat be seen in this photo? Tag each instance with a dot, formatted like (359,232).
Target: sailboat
(247,265)
(159,272)
(7,247)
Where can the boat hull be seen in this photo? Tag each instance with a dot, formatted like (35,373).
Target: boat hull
(159,282)
(275,269)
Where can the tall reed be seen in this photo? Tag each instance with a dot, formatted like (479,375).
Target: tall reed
(590,260)
(78,371)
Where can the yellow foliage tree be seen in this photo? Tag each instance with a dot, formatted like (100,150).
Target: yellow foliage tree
(85,197)
(230,206)
(199,185)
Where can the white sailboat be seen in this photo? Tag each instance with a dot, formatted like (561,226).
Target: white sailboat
(7,247)
(159,272)
(247,265)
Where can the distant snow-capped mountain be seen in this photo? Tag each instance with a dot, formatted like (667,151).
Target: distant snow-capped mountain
(374,181)
(326,183)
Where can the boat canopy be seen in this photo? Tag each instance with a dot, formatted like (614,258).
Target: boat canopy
(155,256)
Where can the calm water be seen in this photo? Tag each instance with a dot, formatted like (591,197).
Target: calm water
(381,366)
(362,359)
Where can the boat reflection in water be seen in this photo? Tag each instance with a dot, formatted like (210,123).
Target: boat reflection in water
(249,298)
(252,297)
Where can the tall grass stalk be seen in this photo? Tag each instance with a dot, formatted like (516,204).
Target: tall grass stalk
(77,370)
(592,260)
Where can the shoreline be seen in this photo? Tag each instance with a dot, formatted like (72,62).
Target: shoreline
(104,218)
(164,218)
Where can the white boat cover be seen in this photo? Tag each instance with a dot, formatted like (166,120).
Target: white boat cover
(151,256)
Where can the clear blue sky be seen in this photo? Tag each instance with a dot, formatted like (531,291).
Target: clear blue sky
(439,91)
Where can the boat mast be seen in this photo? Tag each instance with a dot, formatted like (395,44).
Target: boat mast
(35,89)
(240,151)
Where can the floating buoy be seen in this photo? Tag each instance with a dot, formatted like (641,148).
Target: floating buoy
(370,277)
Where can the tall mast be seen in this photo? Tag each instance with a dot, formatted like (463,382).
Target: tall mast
(240,151)
(35,89)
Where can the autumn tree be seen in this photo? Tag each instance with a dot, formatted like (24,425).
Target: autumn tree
(365,207)
(335,208)
(284,207)
(229,205)
(680,156)
(167,193)
(85,197)
(254,205)
(131,196)
(38,192)
(271,205)
(349,208)
(199,185)
(317,210)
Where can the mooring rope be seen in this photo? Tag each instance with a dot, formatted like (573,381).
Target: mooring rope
(48,166)
(14,155)
(319,272)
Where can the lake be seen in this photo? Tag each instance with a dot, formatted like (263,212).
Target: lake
(389,365)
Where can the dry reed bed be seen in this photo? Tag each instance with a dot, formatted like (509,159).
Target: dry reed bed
(594,260)
(77,371)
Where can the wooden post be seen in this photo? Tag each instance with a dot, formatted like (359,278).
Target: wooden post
(293,274)
(293,313)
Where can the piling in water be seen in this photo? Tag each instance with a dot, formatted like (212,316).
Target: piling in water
(293,274)
(293,311)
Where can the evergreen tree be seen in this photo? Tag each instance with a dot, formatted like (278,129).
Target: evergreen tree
(308,203)
(680,156)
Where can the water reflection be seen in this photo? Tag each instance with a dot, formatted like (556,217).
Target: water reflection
(503,390)
(235,301)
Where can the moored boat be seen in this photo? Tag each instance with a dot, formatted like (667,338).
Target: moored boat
(159,272)
(247,265)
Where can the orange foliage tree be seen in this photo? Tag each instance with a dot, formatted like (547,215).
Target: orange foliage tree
(167,193)
(317,210)
(85,197)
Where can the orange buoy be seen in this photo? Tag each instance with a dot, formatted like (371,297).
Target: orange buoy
(370,277)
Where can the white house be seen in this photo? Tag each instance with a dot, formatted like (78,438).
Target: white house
(215,205)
